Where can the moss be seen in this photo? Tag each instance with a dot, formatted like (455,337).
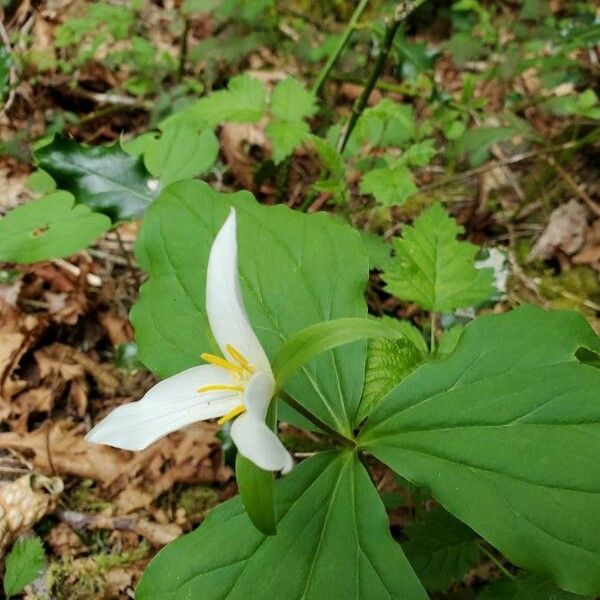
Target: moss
(196,501)
(84,578)
(84,498)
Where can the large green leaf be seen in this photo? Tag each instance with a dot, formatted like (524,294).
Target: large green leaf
(105,178)
(433,268)
(505,432)
(441,549)
(47,228)
(332,543)
(525,587)
(296,270)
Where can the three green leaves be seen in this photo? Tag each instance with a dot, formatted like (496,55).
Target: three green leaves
(503,431)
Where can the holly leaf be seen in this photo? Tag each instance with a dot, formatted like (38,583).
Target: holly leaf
(105,178)
(332,541)
(291,102)
(309,282)
(51,227)
(505,433)
(526,587)
(181,153)
(286,137)
(389,185)
(440,549)
(24,563)
(433,268)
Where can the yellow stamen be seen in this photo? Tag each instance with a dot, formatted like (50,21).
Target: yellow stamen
(221,362)
(237,355)
(234,412)
(220,388)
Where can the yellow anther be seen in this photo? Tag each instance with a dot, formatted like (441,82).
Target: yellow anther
(220,388)
(221,362)
(234,412)
(237,355)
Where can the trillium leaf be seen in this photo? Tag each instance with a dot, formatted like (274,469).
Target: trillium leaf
(295,269)
(505,432)
(433,268)
(441,549)
(105,178)
(526,587)
(332,542)
(181,153)
(47,228)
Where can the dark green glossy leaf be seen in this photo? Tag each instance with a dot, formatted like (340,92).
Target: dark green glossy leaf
(105,178)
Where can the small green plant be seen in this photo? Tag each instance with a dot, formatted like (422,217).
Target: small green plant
(24,563)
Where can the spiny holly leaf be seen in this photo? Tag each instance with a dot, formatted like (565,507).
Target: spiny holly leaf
(181,153)
(440,549)
(389,185)
(286,137)
(433,268)
(526,587)
(290,101)
(332,541)
(242,102)
(51,227)
(24,563)
(505,433)
(389,361)
(105,178)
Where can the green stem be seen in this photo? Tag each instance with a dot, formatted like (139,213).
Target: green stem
(315,420)
(318,84)
(432,319)
(403,10)
(495,560)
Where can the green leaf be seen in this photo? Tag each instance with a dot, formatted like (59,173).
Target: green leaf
(291,102)
(389,185)
(332,542)
(24,563)
(389,360)
(256,490)
(476,142)
(181,153)
(378,250)
(505,433)
(296,270)
(440,549)
(419,155)
(5,64)
(388,123)
(51,227)
(39,181)
(105,178)
(435,270)
(286,137)
(320,337)
(332,160)
(526,587)
(242,102)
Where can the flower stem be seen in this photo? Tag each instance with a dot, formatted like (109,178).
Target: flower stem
(324,73)
(316,421)
(495,560)
(403,10)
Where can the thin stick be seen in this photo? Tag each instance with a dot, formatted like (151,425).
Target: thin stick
(432,320)
(403,10)
(315,420)
(324,73)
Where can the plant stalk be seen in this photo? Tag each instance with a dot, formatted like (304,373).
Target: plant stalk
(495,560)
(315,420)
(432,320)
(324,73)
(403,10)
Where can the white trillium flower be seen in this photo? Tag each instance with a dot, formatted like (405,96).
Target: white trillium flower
(237,386)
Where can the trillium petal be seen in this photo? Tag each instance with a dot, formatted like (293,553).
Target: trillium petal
(259,444)
(224,302)
(170,405)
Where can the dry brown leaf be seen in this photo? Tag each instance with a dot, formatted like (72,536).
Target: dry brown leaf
(63,541)
(117,328)
(24,502)
(565,231)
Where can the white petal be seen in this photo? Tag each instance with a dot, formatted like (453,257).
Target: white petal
(258,443)
(170,405)
(258,393)
(224,302)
